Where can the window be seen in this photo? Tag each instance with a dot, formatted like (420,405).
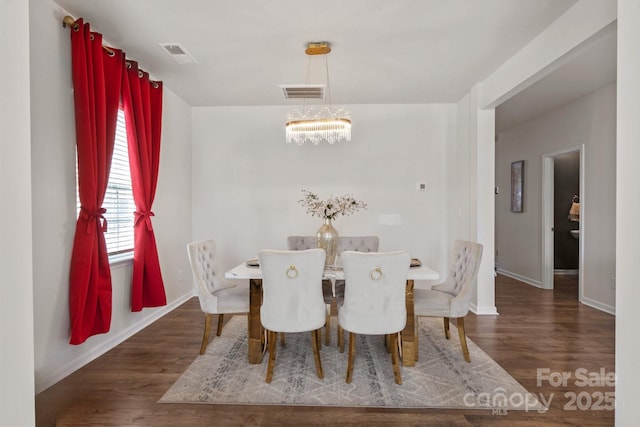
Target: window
(118,200)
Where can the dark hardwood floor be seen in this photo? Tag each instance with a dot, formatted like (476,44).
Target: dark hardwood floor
(535,330)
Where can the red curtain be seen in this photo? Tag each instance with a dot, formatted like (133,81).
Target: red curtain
(142,100)
(97,79)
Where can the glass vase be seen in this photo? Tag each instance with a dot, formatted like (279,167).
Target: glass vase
(328,240)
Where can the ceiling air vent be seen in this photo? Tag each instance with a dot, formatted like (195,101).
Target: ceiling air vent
(178,53)
(303,91)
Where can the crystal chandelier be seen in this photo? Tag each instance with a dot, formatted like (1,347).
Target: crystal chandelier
(318,124)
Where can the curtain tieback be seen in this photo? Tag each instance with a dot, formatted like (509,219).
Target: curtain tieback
(98,216)
(147,218)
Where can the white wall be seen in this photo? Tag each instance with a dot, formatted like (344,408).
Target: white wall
(53,192)
(247,180)
(16,287)
(590,120)
(628,204)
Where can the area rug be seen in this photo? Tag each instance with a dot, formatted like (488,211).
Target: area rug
(440,379)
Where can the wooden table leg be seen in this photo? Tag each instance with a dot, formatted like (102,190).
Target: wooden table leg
(409,335)
(256,341)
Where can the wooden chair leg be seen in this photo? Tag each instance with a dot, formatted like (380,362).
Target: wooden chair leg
(319,338)
(341,338)
(328,295)
(327,327)
(463,339)
(446,327)
(393,338)
(316,339)
(207,329)
(272,355)
(352,354)
(220,323)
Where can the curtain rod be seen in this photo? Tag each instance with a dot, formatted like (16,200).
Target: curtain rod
(69,21)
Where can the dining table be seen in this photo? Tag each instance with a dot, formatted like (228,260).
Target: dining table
(256,337)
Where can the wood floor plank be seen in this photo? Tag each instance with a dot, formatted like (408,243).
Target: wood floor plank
(536,329)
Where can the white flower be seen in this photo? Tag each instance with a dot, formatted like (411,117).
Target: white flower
(331,207)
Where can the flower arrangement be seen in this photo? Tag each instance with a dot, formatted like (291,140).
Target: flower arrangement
(331,207)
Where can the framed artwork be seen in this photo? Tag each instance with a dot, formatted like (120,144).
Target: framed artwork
(517,182)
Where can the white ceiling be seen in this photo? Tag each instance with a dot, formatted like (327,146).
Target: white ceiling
(384,52)
(590,69)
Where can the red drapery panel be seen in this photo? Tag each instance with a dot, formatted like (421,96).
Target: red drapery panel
(142,101)
(97,79)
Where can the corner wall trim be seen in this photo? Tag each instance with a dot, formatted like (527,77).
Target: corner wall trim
(483,311)
(46,381)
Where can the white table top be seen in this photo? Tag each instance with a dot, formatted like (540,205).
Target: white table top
(241,271)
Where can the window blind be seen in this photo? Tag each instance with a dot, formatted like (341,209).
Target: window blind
(118,199)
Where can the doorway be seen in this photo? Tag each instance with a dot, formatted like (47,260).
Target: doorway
(549,221)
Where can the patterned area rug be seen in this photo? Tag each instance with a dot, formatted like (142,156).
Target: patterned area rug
(440,379)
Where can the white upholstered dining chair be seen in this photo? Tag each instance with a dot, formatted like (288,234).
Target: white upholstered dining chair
(330,289)
(300,243)
(374,300)
(345,243)
(292,298)
(216,296)
(451,298)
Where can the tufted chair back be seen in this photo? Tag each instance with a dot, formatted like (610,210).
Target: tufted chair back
(358,243)
(301,243)
(202,256)
(345,243)
(461,279)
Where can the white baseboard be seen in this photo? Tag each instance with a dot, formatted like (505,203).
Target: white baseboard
(44,382)
(520,278)
(567,272)
(599,306)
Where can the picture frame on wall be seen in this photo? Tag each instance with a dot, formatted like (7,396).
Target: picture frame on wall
(517,184)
